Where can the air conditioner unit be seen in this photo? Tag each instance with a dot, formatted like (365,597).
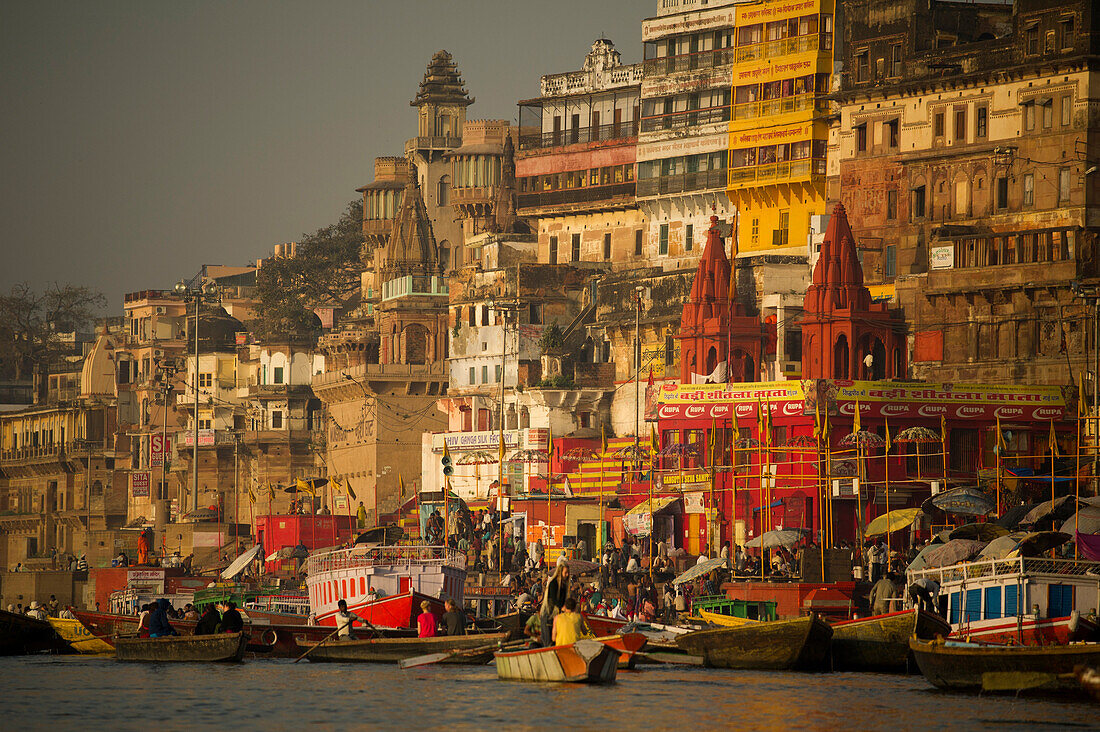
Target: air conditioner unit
(158,353)
(161,310)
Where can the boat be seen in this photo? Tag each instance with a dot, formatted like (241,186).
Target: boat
(467,649)
(1019,600)
(1089,678)
(404,576)
(960,666)
(799,644)
(726,621)
(22,634)
(627,644)
(586,661)
(603,625)
(219,647)
(881,642)
(79,638)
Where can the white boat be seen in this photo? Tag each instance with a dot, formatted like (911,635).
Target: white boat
(1019,600)
(402,576)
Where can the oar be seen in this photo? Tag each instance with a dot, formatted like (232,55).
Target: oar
(311,650)
(431,658)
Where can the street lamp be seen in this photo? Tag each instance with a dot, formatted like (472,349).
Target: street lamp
(207,292)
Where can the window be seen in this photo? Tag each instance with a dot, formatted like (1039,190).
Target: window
(895,60)
(782,234)
(663,241)
(1067,111)
(1048,114)
(607,246)
(484,374)
(1002,193)
(278,375)
(937,125)
(1063,185)
(918,202)
(496,373)
(960,125)
(471,313)
(863,67)
(1029,190)
(689,236)
(575,247)
(443,192)
(1029,116)
(890,262)
(755,230)
(206,381)
(276,420)
(638,242)
(1065,33)
(891,205)
(204,424)
(861,137)
(473,375)
(1031,40)
(553,250)
(891,129)
(981,122)
(670,350)
(485,315)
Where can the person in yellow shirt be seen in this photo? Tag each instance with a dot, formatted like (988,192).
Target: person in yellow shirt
(569,625)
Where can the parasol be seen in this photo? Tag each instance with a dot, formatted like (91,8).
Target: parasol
(965,501)
(777,537)
(201,514)
(578,454)
(894,520)
(702,568)
(477,457)
(862,438)
(747,442)
(1085,521)
(528,456)
(632,453)
(917,435)
(1056,510)
(578,567)
(1013,516)
(953,552)
(241,563)
(980,532)
(802,441)
(677,450)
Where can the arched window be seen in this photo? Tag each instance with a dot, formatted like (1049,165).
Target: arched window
(840,358)
(443,190)
(445,255)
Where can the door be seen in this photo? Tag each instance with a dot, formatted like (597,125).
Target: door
(587,534)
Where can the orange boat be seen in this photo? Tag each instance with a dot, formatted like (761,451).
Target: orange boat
(627,644)
(586,661)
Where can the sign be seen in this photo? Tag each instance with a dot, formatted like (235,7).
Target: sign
(206,438)
(661,86)
(803,64)
(719,402)
(952,401)
(942,257)
(550,535)
(654,28)
(768,12)
(476,440)
(145,575)
(159,447)
(688,146)
(781,134)
(487,591)
(340,503)
(694,502)
(139,484)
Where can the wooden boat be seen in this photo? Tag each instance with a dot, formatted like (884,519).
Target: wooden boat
(586,661)
(979,667)
(603,625)
(220,647)
(627,644)
(392,650)
(881,642)
(79,638)
(726,621)
(1089,678)
(22,634)
(802,644)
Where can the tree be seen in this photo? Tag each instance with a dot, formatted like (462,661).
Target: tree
(325,270)
(31,324)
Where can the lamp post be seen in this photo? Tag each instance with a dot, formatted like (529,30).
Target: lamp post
(166,372)
(207,292)
(638,290)
(1092,292)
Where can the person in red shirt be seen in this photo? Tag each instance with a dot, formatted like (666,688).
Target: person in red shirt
(426,621)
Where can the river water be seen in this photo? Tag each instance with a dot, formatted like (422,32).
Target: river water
(70,692)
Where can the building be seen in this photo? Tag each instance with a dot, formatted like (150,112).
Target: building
(965,153)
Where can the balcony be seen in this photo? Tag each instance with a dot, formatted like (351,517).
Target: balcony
(688,62)
(683,183)
(791,171)
(686,119)
(433,142)
(593,195)
(472,194)
(783,47)
(377,227)
(783,105)
(414,286)
(623,132)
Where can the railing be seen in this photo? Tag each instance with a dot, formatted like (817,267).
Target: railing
(576,195)
(376,370)
(688,61)
(362,557)
(686,119)
(771,49)
(292,604)
(788,171)
(580,135)
(702,180)
(782,105)
(1006,567)
(52,450)
(435,142)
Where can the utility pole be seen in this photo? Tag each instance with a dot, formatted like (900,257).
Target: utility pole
(208,292)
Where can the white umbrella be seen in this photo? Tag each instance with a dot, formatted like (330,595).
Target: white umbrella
(777,537)
(239,564)
(704,567)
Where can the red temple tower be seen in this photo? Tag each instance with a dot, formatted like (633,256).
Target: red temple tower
(718,340)
(844,334)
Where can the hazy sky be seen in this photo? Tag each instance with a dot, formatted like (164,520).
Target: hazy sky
(142,139)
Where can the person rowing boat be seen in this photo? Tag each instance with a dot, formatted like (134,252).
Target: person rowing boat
(344,621)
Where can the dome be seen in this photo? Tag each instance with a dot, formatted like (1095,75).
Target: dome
(217,330)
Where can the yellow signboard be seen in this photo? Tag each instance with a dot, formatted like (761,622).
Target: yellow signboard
(773,10)
(777,135)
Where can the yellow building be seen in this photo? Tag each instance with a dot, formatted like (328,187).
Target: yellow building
(778,134)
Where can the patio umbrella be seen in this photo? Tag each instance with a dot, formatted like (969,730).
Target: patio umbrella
(1085,521)
(704,567)
(1056,510)
(582,453)
(1038,542)
(201,514)
(921,560)
(888,522)
(980,532)
(863,438)
(1013,516)
(581,566)
(1001,546)
(965,501)
(802,441)
(634,453)
(477,457)
(953,552)
(917,435)
(777,537)
(677,450)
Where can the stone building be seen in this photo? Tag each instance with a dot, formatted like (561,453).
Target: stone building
(965,154)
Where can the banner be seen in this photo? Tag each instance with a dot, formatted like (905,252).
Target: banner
(769,12)
(951,401)
(719,401)
(159,447)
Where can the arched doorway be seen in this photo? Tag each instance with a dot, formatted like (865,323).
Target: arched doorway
(878,365)
(840,358)
(415,344)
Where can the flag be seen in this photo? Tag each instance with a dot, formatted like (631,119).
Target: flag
(943,428)
(603,440)
(713,440)
(270,492)
(654,443)
(817,420)
(251,495)
(1001,446)
(889,442)
(549,447)
(401,480)
(304,487)
(857,423)
(351,493)
(761,421)
(1053,441)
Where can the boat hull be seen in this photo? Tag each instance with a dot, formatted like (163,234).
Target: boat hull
(22,634)
(972,667)
(393,650)
(207,648)
(627,644)
(801,644)
(1029,630)
(881,642)
(79,638)
(393,611)
(586,661)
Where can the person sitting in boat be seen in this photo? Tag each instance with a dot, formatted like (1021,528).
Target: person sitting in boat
(159,625)
(208,624)
(881,594)
(36,611)
(345,621)
(454,620)
(569,625)
(189,612)
(231,622)
(426,622)
(553,598)
(67,613)
(143,620)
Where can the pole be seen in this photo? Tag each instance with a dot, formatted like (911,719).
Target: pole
(637,373)
(195,431)
(1077,483)
(886,480)
(236,487)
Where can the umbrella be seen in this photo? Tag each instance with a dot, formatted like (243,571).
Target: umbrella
(918,435)
(1060,508)
(863,438)
(704,567)
(288,552)
(477,457)
(981,532)
(746,442)
(953,552)
(1085,521)
(801,441)
(1002,545)
(920,561)
(1013,516)
(777,537)
(241,563)
(201,514)
(892,521)
(388,534)
(965,500)
(1037,542)
(528,456)
(580,566)
(633,453)
(677,450)
(578,454)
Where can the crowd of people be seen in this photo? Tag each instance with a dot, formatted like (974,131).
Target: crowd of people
(41,611)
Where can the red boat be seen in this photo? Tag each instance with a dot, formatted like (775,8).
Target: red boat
(1029,630)
(627,644)
(602,625)
(393,611)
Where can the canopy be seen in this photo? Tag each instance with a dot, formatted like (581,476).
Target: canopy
(953,552)
(980,532)
(778,537)
(965,501)
(659,504)
(705,567)
(892,521)
(239,564)
(1085,521)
